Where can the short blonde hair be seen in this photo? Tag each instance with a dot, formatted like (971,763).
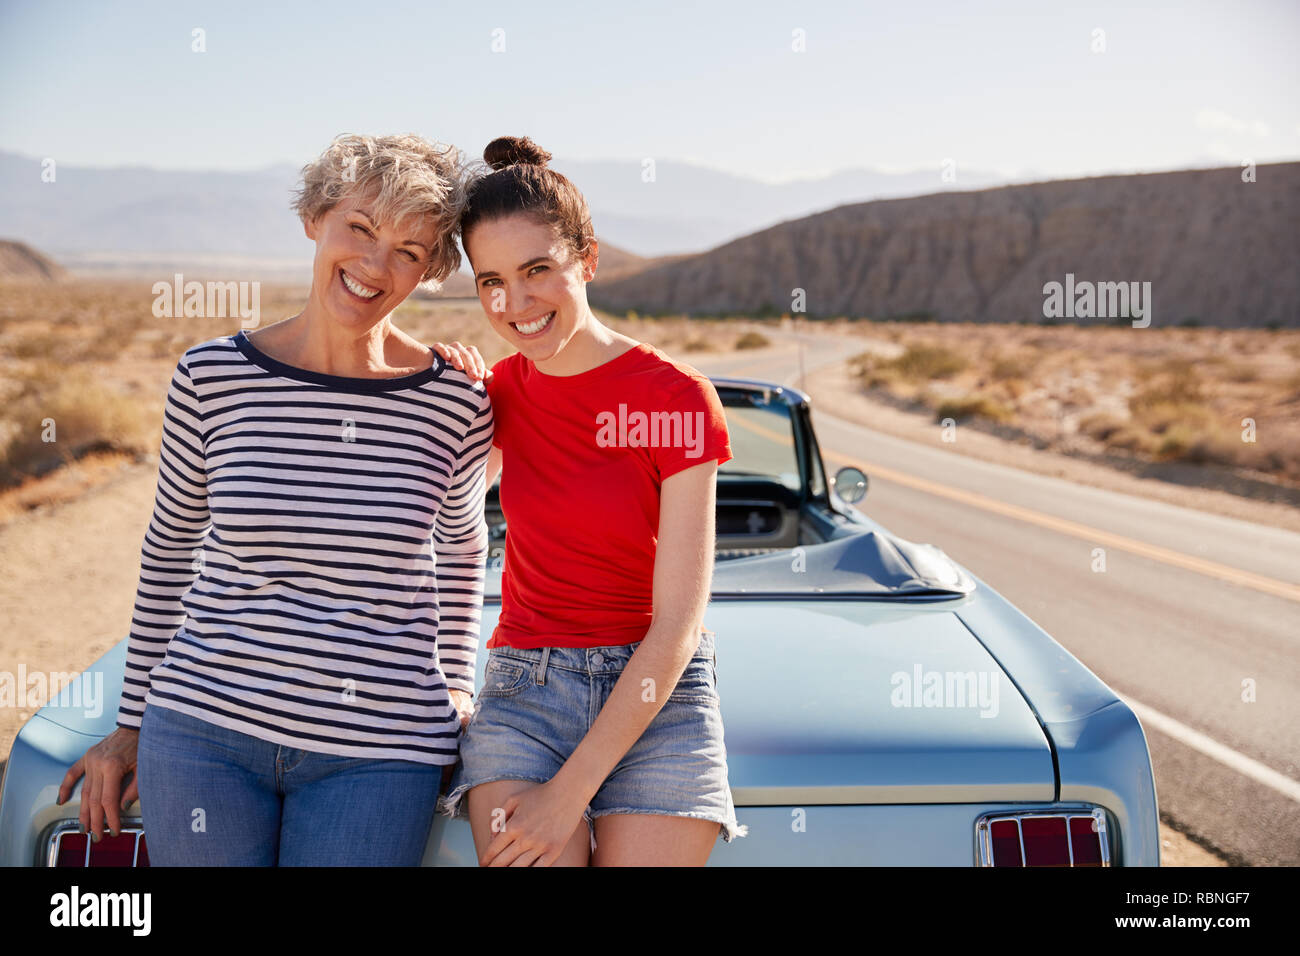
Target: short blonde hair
(409,176)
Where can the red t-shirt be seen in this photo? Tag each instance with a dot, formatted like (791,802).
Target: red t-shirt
(583,459)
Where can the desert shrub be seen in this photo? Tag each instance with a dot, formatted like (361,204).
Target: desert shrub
(753,340)
(1174,394)
(1183,441)
(1102,425)
(86,418)
(971,406)
(1240,372)
(1131,438)
(919,362)
(37,344)
(871,370)
(924,361)
(33,378)
(1005,367)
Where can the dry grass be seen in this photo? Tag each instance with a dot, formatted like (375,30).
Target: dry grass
(64,421)
(1175,394)
(84,369)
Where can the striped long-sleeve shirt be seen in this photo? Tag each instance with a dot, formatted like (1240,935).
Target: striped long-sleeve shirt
(313,571)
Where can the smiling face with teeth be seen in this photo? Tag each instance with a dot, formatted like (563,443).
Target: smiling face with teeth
(363,269)
(531,285)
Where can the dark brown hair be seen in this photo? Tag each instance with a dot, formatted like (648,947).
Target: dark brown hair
(521,182)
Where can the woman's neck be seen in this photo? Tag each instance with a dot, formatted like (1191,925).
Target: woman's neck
(592,345)
(313,341)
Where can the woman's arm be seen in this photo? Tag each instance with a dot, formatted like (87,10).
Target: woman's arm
(170,559)
(467,359)
(540,820)
(171,556)
(460,542)
(493,466)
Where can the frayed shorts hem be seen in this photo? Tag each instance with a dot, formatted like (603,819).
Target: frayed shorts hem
(450,806)
(730,828)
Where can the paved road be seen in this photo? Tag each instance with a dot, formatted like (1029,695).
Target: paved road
(1189,606)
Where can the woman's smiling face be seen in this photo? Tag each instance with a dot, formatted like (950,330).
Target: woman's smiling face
(363,269)
(531,284)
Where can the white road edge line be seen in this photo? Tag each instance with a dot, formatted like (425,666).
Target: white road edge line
(1213,749)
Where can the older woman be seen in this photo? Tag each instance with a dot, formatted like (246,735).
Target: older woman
(305,630)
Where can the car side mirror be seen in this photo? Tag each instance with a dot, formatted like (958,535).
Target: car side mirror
(851,485)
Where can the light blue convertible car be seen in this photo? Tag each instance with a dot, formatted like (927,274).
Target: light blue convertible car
(883,706)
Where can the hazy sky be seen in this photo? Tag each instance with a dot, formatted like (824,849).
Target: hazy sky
(1011,87)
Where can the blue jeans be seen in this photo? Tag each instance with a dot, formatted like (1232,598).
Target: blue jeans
(216,797)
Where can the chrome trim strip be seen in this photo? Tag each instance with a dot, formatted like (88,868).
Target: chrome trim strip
(1099,815)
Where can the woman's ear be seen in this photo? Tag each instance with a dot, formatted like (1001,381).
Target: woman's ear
(309,227)
(590,260)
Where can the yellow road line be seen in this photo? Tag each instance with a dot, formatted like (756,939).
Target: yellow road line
(1154,552)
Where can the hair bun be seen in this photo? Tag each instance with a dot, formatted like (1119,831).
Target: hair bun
(508,150)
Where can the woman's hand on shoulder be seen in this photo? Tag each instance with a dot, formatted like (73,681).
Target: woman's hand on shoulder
(465,358)
(102,797)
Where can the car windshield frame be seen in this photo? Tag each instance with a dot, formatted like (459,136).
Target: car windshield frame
(738,393)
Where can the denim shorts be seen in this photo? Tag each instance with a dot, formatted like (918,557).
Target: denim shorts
(536,705)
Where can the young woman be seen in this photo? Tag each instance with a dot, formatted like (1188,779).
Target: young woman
(302,651)
(597,736)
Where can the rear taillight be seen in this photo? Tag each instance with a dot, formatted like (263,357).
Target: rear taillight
(1074,837)
(68,847)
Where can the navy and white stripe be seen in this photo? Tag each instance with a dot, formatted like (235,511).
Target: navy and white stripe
(313,571)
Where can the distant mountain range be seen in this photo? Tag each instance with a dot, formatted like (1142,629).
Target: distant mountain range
(690,209)
(1215,250)
(92,215)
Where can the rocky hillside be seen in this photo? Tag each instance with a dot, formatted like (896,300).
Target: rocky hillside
(1216,250)
(20,261)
